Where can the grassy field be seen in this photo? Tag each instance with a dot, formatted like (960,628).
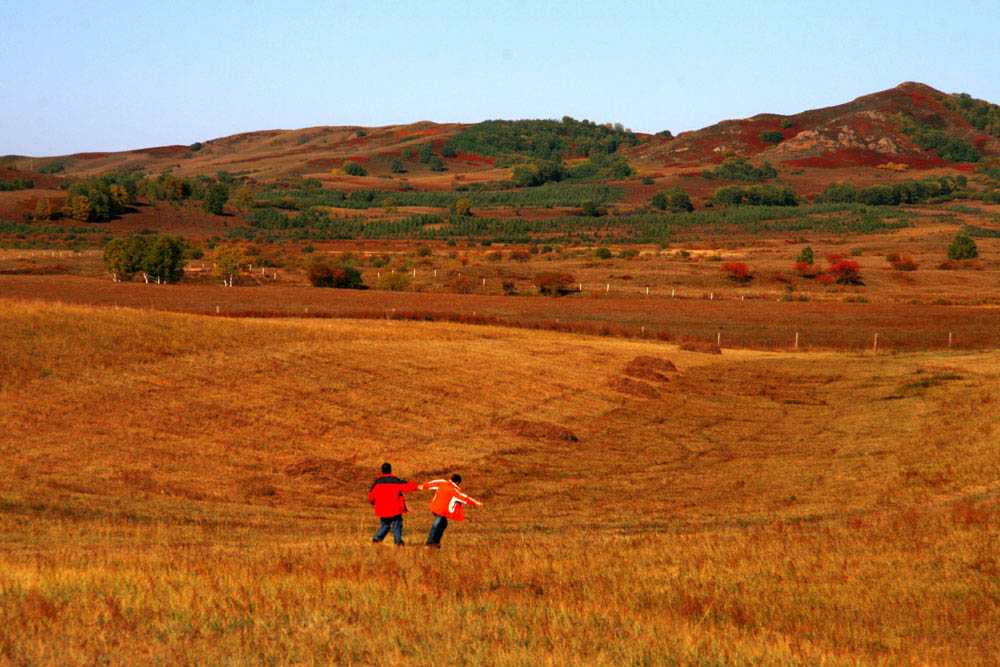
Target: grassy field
(186,489)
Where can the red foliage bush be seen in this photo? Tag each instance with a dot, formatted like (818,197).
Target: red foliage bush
(806,270)
(825,279)
(553,283)
(846,272)
(738,271)
(834,258)
(519,256)
(463,284)
(902,262)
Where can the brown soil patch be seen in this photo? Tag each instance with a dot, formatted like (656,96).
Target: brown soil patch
(626,385)
(538,430)
(325,470)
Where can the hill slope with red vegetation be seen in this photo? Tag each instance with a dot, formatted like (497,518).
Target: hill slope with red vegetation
(858,133)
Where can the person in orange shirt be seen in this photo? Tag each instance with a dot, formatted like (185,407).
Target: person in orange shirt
(446,504)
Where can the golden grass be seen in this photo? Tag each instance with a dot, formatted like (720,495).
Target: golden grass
(188,489)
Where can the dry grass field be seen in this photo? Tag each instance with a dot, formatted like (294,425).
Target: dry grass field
(186,489)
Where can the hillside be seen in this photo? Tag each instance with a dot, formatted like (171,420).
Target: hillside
(863,132)
(859,133)
(194,489)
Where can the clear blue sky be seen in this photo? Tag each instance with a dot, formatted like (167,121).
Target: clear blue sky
(82,76)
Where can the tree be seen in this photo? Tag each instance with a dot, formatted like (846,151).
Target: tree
(590,208)
(123,256)
(448,151)
(163,260)
(675,199)
(396,165)
(461,207)
(436,163)
(352,168)
(244,200)
(43,210)
(806,255)
(424,153)
(215,198)
(228,260)
(602,253)
(323,274)
(770,136)
(80,208)
(846,272)
(962,247)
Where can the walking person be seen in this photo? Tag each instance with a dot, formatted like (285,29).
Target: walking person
(386,496)
(446,504)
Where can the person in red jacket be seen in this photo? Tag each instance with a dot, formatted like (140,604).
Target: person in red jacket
(386,496)
(446,504)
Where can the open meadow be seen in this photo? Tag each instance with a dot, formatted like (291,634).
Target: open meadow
(180,488)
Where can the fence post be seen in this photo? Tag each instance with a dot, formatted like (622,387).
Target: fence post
(647,290)
(949,339)
(796,340)
(875,348)
(608,288)
(718,339)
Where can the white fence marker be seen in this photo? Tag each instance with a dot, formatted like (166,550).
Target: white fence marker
(718,339)
(796,340)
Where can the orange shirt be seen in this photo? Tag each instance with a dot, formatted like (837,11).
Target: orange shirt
(448,499)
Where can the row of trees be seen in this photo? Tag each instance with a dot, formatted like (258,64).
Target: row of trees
(942,144)
(909,191)
(978,113)
(100,198)
(756,195)
(544,139)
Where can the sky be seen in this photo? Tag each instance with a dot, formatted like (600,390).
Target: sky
(105,76)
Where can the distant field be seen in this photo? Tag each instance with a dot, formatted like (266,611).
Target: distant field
(763,322)
(191,489)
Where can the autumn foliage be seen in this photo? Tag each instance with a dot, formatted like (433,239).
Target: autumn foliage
(738,271)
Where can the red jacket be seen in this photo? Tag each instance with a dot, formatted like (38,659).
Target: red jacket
(448,499)
(386,495)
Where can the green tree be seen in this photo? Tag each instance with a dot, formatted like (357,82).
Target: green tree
(80,208)
(461,207)
(228,260)
(770,136)
(448,151)
(352,168)
(396,165)
(163,261)
(436,163)
(675,199)
(962,247)
(394,282)
(123,256)
(424,153)
(806,255)
(215,198)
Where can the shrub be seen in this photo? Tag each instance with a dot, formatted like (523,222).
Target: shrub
(448,151)
(770,136)
(602,253)
(740,169)
(243,200)
(396,166)
(508,286)
(674,199)
(756,195)
(494,256)
(424,153)
(52,168)
(228,260)
(846,272)
(553,283)
(520,255)
(825,279)
(389,204)
(737,271)
(962,247)
(436,163)
(786,122)
(423,251)
(805,269)
(394,282)
(407,154)
(590,208)
(839,192)
(901,262)
(629,253)
(806,255)
(463,284)
(352,168)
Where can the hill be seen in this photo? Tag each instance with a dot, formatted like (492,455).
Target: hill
(864,132)
(193,490)
(868,131)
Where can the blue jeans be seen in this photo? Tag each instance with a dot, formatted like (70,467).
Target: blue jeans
(437,530)
(396,524)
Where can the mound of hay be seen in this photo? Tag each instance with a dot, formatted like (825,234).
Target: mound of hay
(537,430)
(707,348)
(637,388)
(653,364)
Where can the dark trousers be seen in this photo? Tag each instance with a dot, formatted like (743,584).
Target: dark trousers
(390,522)
(437,530)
